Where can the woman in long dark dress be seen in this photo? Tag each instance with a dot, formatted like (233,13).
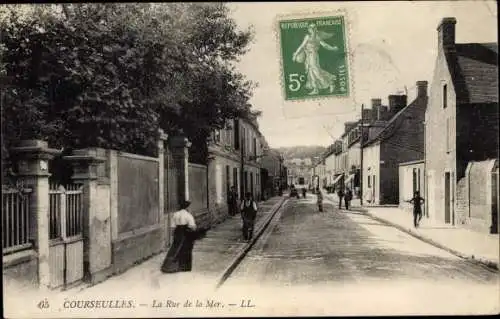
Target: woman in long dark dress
(180,254)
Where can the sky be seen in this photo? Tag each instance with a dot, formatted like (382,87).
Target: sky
(392,45)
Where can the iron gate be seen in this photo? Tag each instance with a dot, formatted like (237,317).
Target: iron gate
(65,234)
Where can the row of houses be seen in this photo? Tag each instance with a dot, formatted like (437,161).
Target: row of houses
(299,171)
(240,156)
(116,210)
(444,143)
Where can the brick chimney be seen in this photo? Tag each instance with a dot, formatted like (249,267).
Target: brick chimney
(338,146)
(367,116)
(422,88)
(376,103)
(396,103)
(349,126)
(446,34)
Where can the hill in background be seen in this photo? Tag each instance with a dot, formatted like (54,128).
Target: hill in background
(301,151)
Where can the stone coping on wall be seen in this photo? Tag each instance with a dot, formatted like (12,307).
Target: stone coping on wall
(18,257)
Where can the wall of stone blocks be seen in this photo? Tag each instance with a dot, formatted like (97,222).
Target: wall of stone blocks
(475,206)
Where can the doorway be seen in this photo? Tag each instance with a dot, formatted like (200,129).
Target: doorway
(447,198)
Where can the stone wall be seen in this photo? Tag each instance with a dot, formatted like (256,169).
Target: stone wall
(133,248)
(476,206)
(20,270)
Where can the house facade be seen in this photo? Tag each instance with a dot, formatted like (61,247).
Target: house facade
(339,162)
(331,163)
(347,155)
(461,121)
(319,172)
(352,180)
(401,140)
(234,160)
(411,179)
(299,171)
(271,172)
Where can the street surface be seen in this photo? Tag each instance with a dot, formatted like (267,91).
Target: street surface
(341,263)
(305,263)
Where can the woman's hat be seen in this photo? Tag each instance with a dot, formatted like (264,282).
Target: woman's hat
(185,204)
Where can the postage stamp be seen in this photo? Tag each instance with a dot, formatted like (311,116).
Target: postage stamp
(314,57)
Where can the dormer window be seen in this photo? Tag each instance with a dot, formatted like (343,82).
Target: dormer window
(445,96)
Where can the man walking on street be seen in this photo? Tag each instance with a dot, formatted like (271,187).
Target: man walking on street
(320,199)
(232,201)
(248,214)
(347,198)
(417,208)
(340,194)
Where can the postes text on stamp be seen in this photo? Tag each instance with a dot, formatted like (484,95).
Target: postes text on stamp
(314,57)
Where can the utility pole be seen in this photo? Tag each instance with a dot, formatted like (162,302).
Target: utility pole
(361,157)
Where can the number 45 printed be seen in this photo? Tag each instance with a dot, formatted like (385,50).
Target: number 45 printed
(313,53)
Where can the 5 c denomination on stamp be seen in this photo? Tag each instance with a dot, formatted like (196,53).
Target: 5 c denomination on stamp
(314,57)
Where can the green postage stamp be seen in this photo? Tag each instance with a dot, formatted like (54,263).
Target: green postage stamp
(314,57)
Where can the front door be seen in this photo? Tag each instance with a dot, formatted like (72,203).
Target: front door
(447,198)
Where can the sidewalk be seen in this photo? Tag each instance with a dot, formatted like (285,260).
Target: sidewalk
(224,241)
(211,255)
(468,244)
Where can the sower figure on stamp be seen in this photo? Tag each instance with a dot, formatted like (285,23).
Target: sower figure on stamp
(248,215)
(308,53)
(180,254)
(417,202)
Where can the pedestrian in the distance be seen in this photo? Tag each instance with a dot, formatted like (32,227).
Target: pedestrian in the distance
(417,202)
(232,201)
(347,198)
(180,254)
(320,199)
(248,214)
(340,194)
(304,191)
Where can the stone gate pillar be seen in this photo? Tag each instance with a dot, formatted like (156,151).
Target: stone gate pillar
(179,147)
(163,216)
(32,157)
(96,221)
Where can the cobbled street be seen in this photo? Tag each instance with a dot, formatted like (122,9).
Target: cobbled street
(341,257)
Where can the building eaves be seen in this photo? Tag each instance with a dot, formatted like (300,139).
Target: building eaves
(380,136)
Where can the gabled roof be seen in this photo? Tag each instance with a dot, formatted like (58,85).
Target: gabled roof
(474,70)
(389,124)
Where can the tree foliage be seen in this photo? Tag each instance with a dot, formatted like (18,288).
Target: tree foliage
(109,75)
